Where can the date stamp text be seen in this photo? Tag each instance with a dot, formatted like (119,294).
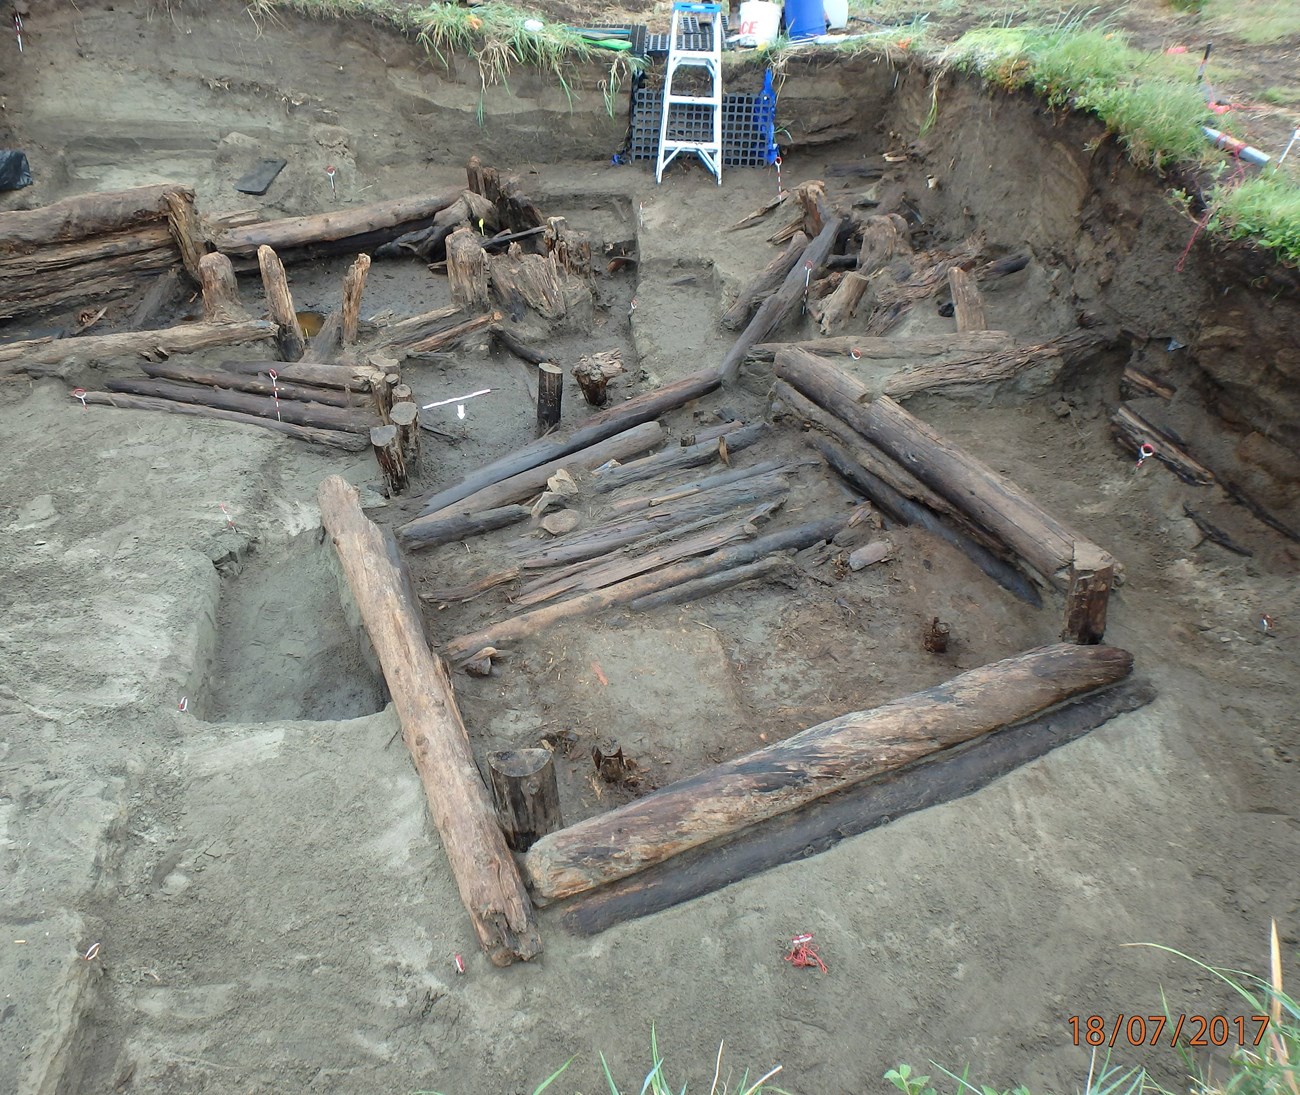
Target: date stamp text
(1171,1030)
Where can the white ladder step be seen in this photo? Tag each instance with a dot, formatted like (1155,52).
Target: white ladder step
(709,99)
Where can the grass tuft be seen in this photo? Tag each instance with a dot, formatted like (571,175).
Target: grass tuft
(1264,208)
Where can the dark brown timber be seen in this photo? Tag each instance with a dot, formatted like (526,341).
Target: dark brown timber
(526,795)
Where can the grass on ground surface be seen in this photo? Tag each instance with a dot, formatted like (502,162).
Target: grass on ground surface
(1267,1063)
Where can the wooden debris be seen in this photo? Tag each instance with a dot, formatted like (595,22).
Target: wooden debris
(303,414)
(449,336)
(869,554)
(759,213)
(1092,573)
(593,372)
(572,250)
(762,570)
(522,281)
(769,279)
(165,288)
(433,730)
(336,439)
(527,483)
(244,382)
(511,342)
(1135,431)
(773,310)
(430,532)
(405,416)
(356,228)
(812,764)
(388,455)
(279,300)
(526,795)
(599,427)
(530,623)
(967,303)
(550,392)
(467,269)
(935,636)
(33,355)
(221,303)
(1214,534)
(354,284)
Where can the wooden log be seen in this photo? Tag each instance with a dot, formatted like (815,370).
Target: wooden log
(765,284)
(25,262)
(773,310)
(428,532)
(907,512)
(525,484)
(967,302)
(762,570)
(550,390)
(812,764)
(302,414)
(350,378)
(842,304)
(1134,382)
(572,250)
(449,336)
(819,826)
(388,455)
(600,426)
(414,328)
(758,214)
(884,238)
(630,528)
(338,226)
(354,284)
(336,439)
(85,216)
(517,346)
(530,623)
(526,795)
(679,491)
(98,279)
(679,457)
(1091,576)
(1135,431)
(523,281)
(988,499)
(482,180)
(244,382)
(405,416)
(183,223)
(164,290)
(430,244)
(221,303)
(279,300)
(467,269)
(434,732)
(979,373)
(30,355)
(904,350)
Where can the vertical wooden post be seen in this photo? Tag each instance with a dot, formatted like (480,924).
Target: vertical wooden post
(467,268)
(527,798)
(354,284)
(221,302)
(388,453)
(183,222)
(405,416)
(967,301)
(280,303)
(1092,573)
(550,389)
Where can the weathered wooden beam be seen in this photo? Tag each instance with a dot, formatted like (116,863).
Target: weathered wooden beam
(433,730)
(1091,576)
(767,282)
(290,339)
(967,301)
(834,755)
(354,284)
(221,303)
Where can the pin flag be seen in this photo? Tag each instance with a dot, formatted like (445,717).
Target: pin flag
(1294,137)
(184,705)
(329,174)
(80,393)
(856,354)
(275,391)
(460,963)
(1145,452)
(229,520)
(18,30)
(777,164)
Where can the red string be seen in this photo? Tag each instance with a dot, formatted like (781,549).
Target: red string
(1237,177)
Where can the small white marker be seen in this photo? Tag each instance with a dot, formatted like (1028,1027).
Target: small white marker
(460,410)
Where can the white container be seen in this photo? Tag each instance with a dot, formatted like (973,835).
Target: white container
(760,22)
(837,14)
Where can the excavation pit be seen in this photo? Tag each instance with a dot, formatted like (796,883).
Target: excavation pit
(275,910)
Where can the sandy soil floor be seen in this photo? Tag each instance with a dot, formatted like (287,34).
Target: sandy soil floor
(272,907)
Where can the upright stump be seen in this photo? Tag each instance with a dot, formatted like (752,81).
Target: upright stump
(388,454)
(405,416)
(526,795)
(279,300)
(1092,573)
(550,389)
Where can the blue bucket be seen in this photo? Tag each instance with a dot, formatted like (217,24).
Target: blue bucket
(804,18)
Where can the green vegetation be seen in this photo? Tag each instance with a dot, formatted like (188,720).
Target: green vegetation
(1270,1068)
(1264,208)
(493,35)
(1156,115)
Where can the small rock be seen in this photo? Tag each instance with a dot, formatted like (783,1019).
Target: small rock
(875,552)
(566,520)
(1062,408)
(480,664)
(175,883)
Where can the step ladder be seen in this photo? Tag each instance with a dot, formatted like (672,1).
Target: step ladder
(696,125)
